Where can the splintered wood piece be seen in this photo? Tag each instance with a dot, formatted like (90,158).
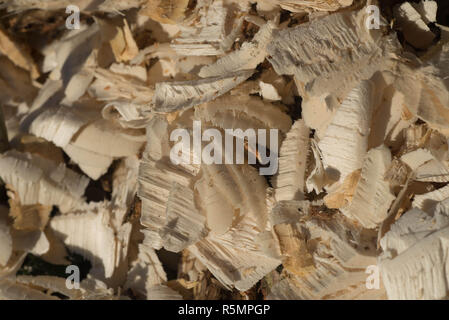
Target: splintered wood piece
(427,9)
(97,144)
(58,125)
(27,217)
(289,183)
(174,96)
(212,29)
(428,201)
(17,55)
(185,224)
(424,88)
(416,234)
(88,232)
(5,237)
(372,197)
(123,44)
(237,112)
(38,180)
(246,58)
(11,290)
(146,272)
(415,30)
(346,139)
(246,267)
(163,12)
(310,5)
(340,251)
(239,230)
(331,54)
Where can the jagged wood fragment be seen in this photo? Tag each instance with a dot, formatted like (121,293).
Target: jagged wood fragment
(289,183)
(339,250)
(224,195)
(310,5)
(5,237)
(155,181)
(243,112)
(58,125)
(243,268)
(96,145)
(433,171)
(123,44)
(88,288)
(317,178)
(372,197)
(124,188)
(174,96)
(417,158)
(89,232)
(414,262)
(211,32)
(415,30)
(427,9)
(27,217)
(185,225)
(162,292)
(424,86)
(38,180)
(428,201)
(238,230)
(246,58)
(346,139)
(342,196)
(146,272)
(328,56)
(165,13)
(11,290)
(17,55)
(67,57)
(293,245)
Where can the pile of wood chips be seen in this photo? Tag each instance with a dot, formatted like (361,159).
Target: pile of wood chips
(92,205)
